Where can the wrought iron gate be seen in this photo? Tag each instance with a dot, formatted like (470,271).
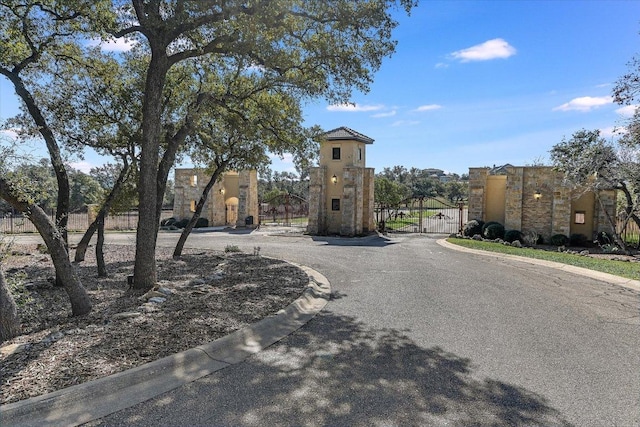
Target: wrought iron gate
(422,215)
(284,209)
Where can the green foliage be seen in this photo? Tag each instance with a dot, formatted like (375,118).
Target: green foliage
(472,228)
(168,222)
(389,193)
(182,223)
(486,224)
(559,240)
(513,235)
(629,270)
(494,231)
(202,222)
(232,248)
(577,239)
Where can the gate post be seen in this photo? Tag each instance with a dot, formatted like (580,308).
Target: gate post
(460,211)
(420,214)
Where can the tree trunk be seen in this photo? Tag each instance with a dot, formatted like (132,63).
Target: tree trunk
(102,269)
(194,218)
(62,208)
(9,321)
(144,272)
(80,303)
(81,249)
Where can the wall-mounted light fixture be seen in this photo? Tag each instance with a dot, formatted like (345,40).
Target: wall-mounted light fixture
(537,195)
(222,191)
(334,179)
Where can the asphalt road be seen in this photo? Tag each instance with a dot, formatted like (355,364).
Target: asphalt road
(417,334)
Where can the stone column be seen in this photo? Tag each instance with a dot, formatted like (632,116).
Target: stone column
(477,184)
(513,199)
(368,223)
(247,197)
(317,202)
(608,200)
(352,201)
(561,215)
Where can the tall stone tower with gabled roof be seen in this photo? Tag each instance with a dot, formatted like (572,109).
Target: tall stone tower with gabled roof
(341,187)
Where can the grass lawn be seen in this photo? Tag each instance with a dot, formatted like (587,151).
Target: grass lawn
(630,270)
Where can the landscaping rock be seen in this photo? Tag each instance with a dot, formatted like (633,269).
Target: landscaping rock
(126,315)
(157,300)
(10,349)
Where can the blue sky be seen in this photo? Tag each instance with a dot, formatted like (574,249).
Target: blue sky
(478,83)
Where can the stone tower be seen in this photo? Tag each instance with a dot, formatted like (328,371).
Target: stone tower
(341,187)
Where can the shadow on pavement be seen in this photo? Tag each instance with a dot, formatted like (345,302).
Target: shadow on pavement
(336,371)
(370,241)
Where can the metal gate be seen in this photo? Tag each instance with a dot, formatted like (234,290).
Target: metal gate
(422,215)
(284,209)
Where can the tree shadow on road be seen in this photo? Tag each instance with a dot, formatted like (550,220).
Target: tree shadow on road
(370,241)
(336,371)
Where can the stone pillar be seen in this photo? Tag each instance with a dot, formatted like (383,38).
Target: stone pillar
(368,222)
(513,199)
(317,202)
(561,216)
(477,184)
(608,201)
(216,205)
(247,197)
(351,201)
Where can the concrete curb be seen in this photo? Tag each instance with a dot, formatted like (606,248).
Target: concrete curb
(95,399)
(605,277)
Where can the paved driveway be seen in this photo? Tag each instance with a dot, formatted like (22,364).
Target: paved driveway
(417,334)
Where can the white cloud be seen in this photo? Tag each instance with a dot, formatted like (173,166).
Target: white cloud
(442,65)
(11,134)
(610,131)
(405,123)
(285,158)
(387,114)
(82,166)
(429,107)
(585,103)
(491,49)
(354,107)
(113,45)
(627,110)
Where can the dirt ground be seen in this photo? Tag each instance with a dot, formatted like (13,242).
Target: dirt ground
(203,296)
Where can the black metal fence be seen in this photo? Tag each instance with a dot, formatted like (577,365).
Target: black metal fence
(17,223)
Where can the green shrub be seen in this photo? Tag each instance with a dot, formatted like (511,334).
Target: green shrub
(577,239)
(513,235)
(487,224)
(202,222)
(559,240)
(232,248)
(182,223)
(494,231)
(168,221)
(472,228)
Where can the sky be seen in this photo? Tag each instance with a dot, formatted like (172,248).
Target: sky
(481,83)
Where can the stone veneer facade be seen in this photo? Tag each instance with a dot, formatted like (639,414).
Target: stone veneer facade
(551,213)
(353,186)
(231,200)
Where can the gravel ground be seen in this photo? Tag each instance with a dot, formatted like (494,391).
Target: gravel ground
(207,295)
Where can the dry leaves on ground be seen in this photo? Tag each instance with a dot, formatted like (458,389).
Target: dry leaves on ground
(211,295)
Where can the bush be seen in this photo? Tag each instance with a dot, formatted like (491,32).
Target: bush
(513,235)
(472,228)
(168,221)
(559,240)
(494,231)
(487,224)
(202,222)
(577,239)
(182,223)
